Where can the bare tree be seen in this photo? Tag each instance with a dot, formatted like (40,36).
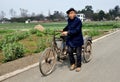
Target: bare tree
(12,12)
(23,12)
(2,14)
(33,14)
(49,13)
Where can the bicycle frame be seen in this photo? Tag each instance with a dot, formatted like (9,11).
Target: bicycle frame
(55,47)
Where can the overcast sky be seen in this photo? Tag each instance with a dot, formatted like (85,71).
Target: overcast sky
(43,6)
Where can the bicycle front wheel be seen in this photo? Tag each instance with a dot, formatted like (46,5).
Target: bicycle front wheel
(47,61)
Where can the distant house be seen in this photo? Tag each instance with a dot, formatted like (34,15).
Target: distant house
(27,21)
(117,18)
(4,22)
(81,16)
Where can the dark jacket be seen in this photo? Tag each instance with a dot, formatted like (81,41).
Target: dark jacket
(75,37)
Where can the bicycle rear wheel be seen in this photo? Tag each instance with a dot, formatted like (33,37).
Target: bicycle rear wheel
(47,61)
(87,53)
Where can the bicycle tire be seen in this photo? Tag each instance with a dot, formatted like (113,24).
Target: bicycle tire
(48,57)
(87,53)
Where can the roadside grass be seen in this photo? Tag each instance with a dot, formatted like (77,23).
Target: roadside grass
(1,57)
(30,44)
(36,41)
(3,31)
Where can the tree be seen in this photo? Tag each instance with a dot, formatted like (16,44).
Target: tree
(33,14)
(101,15)
(87,11)
(114,12)
(95,17)
(88,8)
(56,16)
(40,17)
(23,12)
(117,11)
(107,16)
(2,15)
(49,13)
(12,12)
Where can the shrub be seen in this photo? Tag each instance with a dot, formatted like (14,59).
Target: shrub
(33,31)
(12,51)
(22,35)
(1,45)
(116,26)
(40,33)
(93,33)
(4,31)
(43,43)
(15,37)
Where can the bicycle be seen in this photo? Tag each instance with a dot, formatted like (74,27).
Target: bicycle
(53,53)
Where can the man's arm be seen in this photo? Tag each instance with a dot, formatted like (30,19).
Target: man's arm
(66,28)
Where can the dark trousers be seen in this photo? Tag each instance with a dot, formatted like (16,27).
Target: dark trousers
(78,51)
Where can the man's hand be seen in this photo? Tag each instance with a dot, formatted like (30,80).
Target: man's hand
(65,33)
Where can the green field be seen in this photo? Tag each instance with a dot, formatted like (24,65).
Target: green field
(18,39)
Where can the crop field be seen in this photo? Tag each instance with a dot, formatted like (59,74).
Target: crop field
(18,39)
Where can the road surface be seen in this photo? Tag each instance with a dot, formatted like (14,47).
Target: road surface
(105,66)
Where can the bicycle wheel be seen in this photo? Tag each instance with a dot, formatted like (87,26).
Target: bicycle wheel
(87,53)
(47,61)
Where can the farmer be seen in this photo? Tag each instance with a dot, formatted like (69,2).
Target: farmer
(73,31)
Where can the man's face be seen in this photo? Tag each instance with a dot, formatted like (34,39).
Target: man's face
(72,14)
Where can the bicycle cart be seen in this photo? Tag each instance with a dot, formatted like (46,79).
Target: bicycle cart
(53,53)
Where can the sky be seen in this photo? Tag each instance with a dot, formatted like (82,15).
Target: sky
(43,6)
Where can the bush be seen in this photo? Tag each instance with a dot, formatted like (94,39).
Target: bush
(12,51)
(40,33)
(2,31)
(116,26)
(22,35)
(33,31)
(43,43)
(93,33)
(15,37)
(1,45)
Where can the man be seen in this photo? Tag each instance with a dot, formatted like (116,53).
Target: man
(73,31)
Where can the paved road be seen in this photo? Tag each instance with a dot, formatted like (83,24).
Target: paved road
(105,66)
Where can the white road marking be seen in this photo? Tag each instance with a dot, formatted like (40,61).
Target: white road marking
(3,77)
(105,36)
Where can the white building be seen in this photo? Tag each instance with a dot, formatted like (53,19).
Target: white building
(81,16)
(27,21)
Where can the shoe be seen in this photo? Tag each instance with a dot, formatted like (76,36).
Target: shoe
(78,69)
(72,67)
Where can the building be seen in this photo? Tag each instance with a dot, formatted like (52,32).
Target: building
(81,16)
(117,18)
(27,21)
